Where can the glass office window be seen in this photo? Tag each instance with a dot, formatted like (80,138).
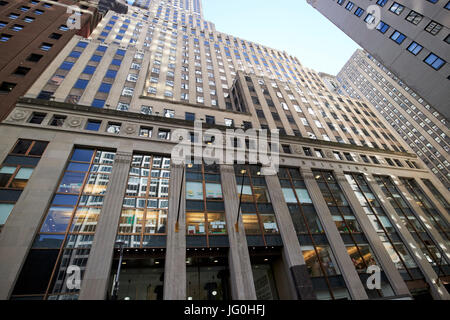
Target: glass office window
(434,61)
(141,279)
(205,210)
(257,211)
(429,247)
(68,229)
(146,202)
(384,228)
(437,194)
(15,172)
(431,212)
(382,27)
(105,87)
(415,48)
(357,245)
(207,278)
(327,281)
(398,37)
(396,8)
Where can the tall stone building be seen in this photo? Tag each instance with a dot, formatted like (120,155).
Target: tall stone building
(32,35)
(420,125)
(410,38)
(87,168)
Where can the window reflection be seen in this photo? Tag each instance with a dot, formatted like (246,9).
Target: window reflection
(357,247)
(430,211)
(207,278)
(72,182)
(144,208)
(71,220)
(408,217)
(444,202)
(326,279)
(140,279)
(205,210)
(257,211)
(57,220)
(382,225)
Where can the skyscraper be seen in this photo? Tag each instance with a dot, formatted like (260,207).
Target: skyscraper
(423,128)
(32,34)
(410,38)
(92,170)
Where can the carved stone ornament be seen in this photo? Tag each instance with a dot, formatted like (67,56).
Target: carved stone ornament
(130,129)
(123,157)
(298,150)
(74,122)
(19,115)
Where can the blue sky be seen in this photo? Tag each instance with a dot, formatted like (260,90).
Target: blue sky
(295,27)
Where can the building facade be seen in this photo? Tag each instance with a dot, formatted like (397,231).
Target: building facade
(420,125)
(32,35)
(331,82)
(87,166)
(410,38)
(115,5)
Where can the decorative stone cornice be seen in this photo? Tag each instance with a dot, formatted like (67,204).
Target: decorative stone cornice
(30,102)
(19,115)
(229,169)
(26,102)
(130,129)
(340,177)
(307,174)
(74,122)
(174,165)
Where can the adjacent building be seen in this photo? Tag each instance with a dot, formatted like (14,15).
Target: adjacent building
(420,125)
(331,82)
(410,38)
(115,5)
(86,168)
(32,35)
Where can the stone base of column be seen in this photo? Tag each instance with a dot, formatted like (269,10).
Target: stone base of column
(302,282)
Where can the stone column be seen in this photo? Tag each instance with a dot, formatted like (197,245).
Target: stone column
(22,225)
(6,145)
(294,262)
(96,278)
(395,279)
(438,292)
(351,277)
(175,269)
(241,274)
(431,230)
